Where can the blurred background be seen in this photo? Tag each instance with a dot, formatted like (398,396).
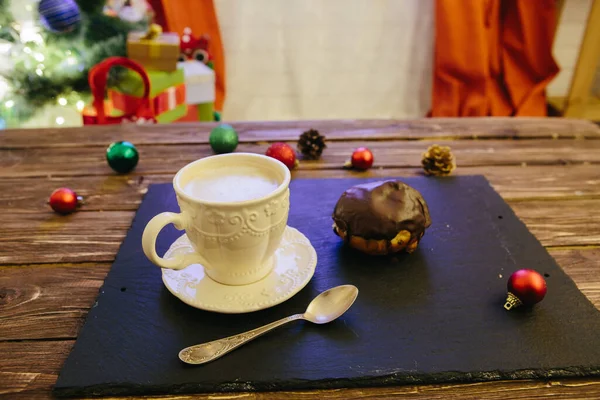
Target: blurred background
(296,59)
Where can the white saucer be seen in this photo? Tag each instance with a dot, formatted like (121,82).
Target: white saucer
(295,262)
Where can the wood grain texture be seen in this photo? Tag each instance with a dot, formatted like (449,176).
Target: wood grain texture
(62,298)
(96,236)
(124,192)
(565,223)
(50,301)
(31,367)
(335,130)
(53,238)
(56,162)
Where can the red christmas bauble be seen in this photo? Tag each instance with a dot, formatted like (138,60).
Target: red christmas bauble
(284,153)
(362,158)
(64,200)
(525,287)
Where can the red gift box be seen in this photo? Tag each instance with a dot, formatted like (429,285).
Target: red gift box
(98,114)
(165,101)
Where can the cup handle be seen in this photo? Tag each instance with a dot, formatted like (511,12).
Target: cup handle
(150,234)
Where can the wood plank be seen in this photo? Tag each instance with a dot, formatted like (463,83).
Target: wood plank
(583,266)
(564,389)
(20,385)
(183,133)
(45,237)
(121,192)
(29,368)
(561,223)
(61,295)
(50,299)
(90,161)
(52,238)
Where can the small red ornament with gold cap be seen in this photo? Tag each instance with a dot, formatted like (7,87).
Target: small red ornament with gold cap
(526,287)
(284,153)
(64,201)
(362,159)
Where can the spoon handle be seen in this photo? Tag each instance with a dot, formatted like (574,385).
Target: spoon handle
(205,352)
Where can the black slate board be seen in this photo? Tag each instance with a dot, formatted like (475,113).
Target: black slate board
(433,316)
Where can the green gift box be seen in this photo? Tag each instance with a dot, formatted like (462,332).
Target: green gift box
(132,83)
(167,94)
(198,112)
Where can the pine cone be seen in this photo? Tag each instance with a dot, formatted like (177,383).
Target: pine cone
(438,160)
(311,144)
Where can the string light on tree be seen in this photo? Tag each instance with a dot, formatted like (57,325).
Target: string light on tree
(38,51)
(3,87)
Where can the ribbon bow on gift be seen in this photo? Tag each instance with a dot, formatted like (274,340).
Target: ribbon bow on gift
(98,77)
(154,31)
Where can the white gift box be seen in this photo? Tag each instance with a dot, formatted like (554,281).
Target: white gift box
(199,82)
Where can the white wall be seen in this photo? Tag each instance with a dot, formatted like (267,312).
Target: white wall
(297,59)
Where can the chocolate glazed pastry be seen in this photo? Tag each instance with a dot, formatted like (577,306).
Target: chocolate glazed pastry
(381,218)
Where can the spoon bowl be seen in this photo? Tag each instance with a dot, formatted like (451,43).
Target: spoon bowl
(331,304)
(326,307)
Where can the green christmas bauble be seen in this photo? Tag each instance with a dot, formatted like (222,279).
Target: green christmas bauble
(223,139)
(122,156)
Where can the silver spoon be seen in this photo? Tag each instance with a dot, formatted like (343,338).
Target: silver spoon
(324,308)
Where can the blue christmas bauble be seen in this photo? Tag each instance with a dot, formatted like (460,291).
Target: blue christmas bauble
(59,15)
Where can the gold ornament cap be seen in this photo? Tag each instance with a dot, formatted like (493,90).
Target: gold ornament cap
(154,31)
(512,301)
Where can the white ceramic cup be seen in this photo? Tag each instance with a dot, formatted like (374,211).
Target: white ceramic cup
(234,240)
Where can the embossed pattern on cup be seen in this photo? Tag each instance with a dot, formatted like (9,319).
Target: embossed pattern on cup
(234,240)
(237,242)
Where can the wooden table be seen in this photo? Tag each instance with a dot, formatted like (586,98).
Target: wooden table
(52,266)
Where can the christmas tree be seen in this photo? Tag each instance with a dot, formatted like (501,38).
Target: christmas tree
(49,54)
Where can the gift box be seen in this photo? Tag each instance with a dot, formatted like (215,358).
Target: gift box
(159,53)
(199,82)
(102,111)
(200,91)
(198,112)
(167,94)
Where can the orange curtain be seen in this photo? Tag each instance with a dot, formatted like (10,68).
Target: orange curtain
(200,16)
(493,57)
